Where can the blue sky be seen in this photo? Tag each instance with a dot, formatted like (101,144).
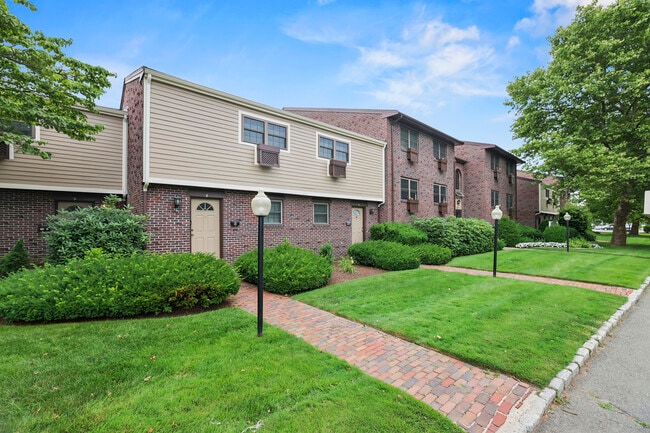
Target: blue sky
(446,63)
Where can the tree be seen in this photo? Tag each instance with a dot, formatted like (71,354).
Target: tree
(41,86)
(586,117)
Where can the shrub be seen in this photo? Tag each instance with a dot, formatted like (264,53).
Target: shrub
(100,286)
(432,254)
(14,260)
(579,243)
(646,229)
(287,269)
(529,233)
(463,236)
(327,252)
(117,232)
(391,256)
(509,231)
(347,265)
(403,233)
(557,233)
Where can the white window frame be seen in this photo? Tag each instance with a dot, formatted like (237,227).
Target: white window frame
(327,205)
(334,140)
(266,221)
(266,121)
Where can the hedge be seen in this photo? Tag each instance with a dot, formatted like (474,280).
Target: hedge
(387,255)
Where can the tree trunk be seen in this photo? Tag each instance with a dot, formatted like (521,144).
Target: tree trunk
(634,231)
(619,235)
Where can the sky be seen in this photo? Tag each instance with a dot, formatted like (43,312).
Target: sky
(446,63)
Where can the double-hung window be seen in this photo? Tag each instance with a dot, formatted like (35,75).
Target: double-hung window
(408,189)
(494,198)
(259,131)
(494,161)
(509,201)
(439,193)
(408,138)
(439,150)
(275,215)
(321,213)
(329,148)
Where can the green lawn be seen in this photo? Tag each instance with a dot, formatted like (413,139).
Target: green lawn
(625,266)
(203,373)
(529,330)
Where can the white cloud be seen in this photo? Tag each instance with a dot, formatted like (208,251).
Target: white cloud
(550,14)
(513,42)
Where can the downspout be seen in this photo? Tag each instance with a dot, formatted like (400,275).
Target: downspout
(146,116)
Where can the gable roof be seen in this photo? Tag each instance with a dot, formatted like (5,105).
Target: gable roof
(497,149)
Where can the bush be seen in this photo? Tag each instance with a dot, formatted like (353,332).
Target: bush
(463,236)
(100,286)
(287,269)
(391,256)
(557,233)
(579,243)
(403,233)
(646,229)
(347,265)
(15,260)
(117,232)
(509,231)
(432,254)
(529,233)
(327,252)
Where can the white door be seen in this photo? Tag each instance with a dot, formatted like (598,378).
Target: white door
(357,225)
(205,226)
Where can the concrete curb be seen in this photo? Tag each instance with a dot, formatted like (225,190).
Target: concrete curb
(528,417)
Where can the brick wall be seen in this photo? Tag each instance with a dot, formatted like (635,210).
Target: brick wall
(528,201)
(23,212)
(133,103)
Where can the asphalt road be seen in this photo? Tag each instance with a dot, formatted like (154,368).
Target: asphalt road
(612,394)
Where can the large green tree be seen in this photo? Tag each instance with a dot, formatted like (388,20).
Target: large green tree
(586,117)
(41,86)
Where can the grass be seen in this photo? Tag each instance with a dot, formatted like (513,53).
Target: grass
(203,373)
(623,266)
(529,330)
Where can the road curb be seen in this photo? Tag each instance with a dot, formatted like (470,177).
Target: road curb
(528,417)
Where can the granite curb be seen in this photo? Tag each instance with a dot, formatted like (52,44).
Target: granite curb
(527,417)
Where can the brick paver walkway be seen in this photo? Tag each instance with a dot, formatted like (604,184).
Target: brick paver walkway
(475,399)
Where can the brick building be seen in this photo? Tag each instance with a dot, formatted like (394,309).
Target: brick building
(420,172)
(538,201)
(487,176)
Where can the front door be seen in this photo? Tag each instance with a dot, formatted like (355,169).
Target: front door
(357,225)
(205,226)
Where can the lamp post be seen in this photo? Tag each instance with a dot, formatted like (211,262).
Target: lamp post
(261,206)
(497,213)
(567,218)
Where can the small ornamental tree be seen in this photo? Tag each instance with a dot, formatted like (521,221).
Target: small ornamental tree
(15,259)
(116,231)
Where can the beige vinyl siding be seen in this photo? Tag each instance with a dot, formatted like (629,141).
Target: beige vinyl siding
(195,140)
(80,166)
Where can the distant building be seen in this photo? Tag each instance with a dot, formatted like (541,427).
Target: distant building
(539,202)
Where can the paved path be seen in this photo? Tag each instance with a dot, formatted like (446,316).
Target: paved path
(473,398)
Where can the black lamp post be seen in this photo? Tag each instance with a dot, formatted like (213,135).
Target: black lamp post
(567,218)
(261,206)
(497,213)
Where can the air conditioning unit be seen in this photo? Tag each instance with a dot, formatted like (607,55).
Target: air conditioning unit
(442,208)
(412,205)
(337,168)
(412,154)
(442,164)
(268,156)
(6,151)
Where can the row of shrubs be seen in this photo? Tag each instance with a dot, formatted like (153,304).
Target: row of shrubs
(394,256)
(100,286)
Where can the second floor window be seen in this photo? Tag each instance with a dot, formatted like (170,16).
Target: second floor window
(439,150)
(494,161)
(509,201)
(408,138)
(261,132)
(333,149)
(439,193)
(408,189)
(494,198)
(511,167)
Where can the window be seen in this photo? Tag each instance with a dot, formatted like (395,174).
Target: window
(494,161)
(409,189)
(408,138)
(275,215)
(15,127)
(333,149)
(73,205)
(439,150)
(457,182)
(439,193)
(321,213)
(260,132)
(494,198)
(509,201)
(510,168)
